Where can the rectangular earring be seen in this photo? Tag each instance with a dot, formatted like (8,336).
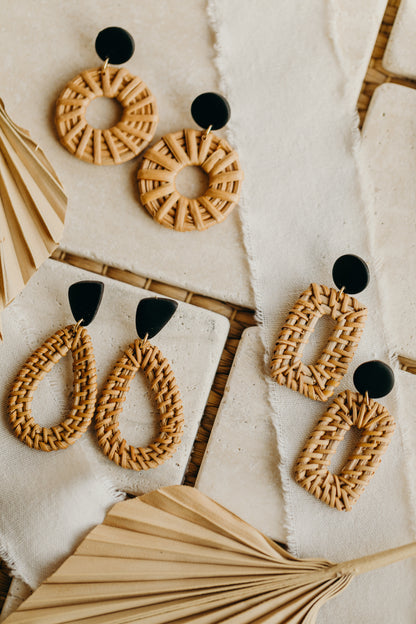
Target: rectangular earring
(318,381)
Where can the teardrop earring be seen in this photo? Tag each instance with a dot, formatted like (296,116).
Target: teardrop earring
(151,316)
(163,161)
(138,123)
(84,298)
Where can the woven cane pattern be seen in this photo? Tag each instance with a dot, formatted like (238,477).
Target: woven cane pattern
(166,393)
(76,340)
(318,381)
(162,163)
(312,467)
(114,145)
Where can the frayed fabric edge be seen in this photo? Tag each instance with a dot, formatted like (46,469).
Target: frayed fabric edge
(376,263)
(214,23)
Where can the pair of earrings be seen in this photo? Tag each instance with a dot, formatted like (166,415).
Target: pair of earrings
(151,316)
(135,130)
(318,381)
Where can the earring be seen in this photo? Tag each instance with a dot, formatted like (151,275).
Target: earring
(372,379)
(151,316)
(163,161)
(138,123)
(318,381)
(84,298)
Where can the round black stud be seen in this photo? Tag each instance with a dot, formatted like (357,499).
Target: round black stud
(152,314)
(85,299)
(351,273)
(374,377)
(211,109)
(114,44)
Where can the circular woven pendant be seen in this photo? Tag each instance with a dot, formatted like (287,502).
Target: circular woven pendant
(162,163)
(114,145)
(166,394)
(33,371)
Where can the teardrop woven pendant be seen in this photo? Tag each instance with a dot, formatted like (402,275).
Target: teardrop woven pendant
(140,355)
(74,339)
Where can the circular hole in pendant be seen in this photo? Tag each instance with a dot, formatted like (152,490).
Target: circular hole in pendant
(192,182)
(104,112)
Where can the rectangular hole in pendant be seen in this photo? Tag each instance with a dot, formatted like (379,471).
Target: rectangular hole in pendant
(345,448)
(318,340)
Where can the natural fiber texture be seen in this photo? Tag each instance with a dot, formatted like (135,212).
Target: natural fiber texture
(76,340)
(123,141)
(318,381)
(175,555)
(32,208)
(312,467)
(157,370)
(162,163)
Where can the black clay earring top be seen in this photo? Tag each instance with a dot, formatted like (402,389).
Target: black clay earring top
(151,316)
(318,381)
(84,298)
(201,148)
(372,379)
(138,122)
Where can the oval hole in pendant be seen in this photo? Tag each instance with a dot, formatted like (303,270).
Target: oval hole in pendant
(52,399)
(139,420)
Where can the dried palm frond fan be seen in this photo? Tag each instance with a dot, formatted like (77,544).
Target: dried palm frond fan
(175,555)
(32,208)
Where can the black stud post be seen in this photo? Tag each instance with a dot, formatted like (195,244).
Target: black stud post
(85,299)
(351,273)
(211,109)
(374,377)
(152,314)
(114,44)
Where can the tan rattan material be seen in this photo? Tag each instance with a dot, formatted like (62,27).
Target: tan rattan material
(123,141)
(146,357)
(318,381)
(162,163)
(312,467)
(76,340)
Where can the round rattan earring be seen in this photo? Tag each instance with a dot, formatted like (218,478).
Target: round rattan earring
(151,316)
(139,119)
(372,380)
(84,298)
(163,161)
(318,381)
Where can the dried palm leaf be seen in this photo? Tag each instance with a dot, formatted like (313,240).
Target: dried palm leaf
(32,208)
(174,555)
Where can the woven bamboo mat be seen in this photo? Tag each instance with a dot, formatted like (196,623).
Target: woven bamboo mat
(239,318)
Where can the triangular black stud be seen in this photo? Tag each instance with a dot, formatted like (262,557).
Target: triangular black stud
(85,298)
(351,273)
(210,109)
(374,377)
(152,314)
(115,44)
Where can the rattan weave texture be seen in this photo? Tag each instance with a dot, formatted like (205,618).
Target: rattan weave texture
(114,145)
(318,381)
(312,466)
(162,163)
(143,356)
(74,339)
